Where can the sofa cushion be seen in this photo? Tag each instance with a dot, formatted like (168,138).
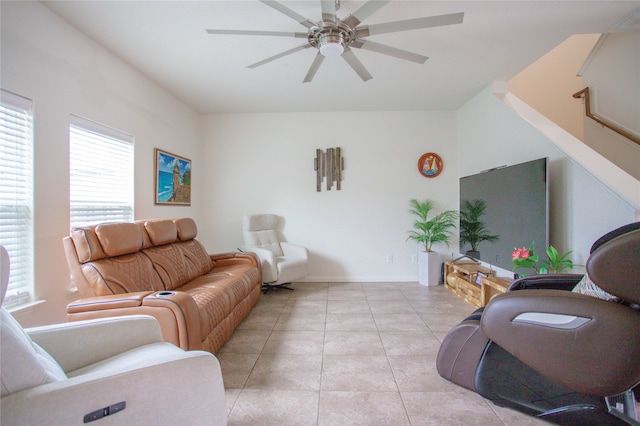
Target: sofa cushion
(122,274)
(162,231)
(119,238)
(186,227)
(86,243)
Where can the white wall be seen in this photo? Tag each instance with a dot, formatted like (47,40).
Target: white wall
(263,163)
(582,208)
(63,72)
(549,83)
(613,75)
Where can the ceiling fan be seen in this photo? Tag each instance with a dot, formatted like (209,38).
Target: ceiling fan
(335,37)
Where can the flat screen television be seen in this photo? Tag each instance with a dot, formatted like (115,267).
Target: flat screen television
(516,213)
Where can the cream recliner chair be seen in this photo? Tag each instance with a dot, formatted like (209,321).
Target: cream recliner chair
(112,371)
(282,262)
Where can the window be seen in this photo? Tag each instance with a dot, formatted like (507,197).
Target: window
(100,173)
(16,193)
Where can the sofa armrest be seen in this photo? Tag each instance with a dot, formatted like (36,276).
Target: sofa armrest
(568,337)
(546,281)
(78,344)
(221,259)
(193,379)
(176,312)
(294,250)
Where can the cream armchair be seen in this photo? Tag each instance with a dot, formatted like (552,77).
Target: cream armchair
(111,371)
(282,262)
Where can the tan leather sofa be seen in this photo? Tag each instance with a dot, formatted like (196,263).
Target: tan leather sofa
(158,268)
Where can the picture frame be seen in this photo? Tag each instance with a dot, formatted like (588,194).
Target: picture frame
(479,276)
(430,165)
(172,181)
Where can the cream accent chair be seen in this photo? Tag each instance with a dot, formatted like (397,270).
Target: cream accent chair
(111,371)
(282,262)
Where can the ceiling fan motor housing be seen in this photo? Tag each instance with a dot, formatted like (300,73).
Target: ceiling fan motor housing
(331,39)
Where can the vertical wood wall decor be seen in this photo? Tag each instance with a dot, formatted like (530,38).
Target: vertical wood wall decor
(329,164)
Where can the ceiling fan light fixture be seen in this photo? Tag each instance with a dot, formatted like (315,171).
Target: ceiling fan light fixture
(331,45)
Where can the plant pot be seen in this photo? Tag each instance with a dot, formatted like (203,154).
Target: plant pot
(428,268)
(473,253)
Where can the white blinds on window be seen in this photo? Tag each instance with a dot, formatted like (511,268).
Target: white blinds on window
(101,173)
(16,193)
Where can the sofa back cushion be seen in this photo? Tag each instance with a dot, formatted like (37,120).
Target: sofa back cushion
(146,255)
(180,258)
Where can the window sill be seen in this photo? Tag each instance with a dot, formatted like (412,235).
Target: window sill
(25,308)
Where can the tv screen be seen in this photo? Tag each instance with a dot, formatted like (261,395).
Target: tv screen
(512,204)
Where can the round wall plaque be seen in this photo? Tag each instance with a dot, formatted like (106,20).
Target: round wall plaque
(430,165)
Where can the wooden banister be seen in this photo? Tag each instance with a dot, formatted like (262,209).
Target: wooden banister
(584,93)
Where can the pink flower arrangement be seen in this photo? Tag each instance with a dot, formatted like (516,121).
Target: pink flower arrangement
(524,258)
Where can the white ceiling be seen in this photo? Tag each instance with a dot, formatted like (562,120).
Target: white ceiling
(166,41)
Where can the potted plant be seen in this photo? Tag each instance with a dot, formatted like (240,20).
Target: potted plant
(472,229)
(428,231)
(555,264)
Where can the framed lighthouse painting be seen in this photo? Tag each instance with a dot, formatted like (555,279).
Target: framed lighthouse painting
(172,179)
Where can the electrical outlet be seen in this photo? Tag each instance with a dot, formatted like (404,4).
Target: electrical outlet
(389,258)
(414,258)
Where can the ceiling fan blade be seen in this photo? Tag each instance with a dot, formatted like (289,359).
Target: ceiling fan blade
(366,10)
(388,50)
(280,55)
(258,33)
(290,13)
(317,61)
(356,64)
(411,24)
(328,10)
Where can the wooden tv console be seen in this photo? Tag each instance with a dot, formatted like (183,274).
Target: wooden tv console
(461,277)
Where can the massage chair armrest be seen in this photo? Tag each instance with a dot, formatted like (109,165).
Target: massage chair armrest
(568,337)
(193,379)
(294,250)
(77,344)
(176,312)
(546,281)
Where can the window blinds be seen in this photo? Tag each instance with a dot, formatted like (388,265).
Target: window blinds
(100,173)
(16,193)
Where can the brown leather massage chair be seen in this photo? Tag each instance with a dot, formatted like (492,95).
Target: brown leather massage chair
(562,356)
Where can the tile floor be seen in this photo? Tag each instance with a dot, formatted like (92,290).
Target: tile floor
(350,354)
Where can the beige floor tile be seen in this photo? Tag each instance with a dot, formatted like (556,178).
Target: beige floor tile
(350,322)
(300,320)
(346,294)
(391,306)
(286,372)
(399,322)
(260,320)
(305,306)
(382,295)
(449,408)
(348,307)
(246,341)
(236,368)
(409,343)
(351,353)
(364,373)
(361,408)
(294,342)
(275,407)
(353,343)
(417,373)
